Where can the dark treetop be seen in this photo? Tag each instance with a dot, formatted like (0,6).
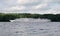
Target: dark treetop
(12,16)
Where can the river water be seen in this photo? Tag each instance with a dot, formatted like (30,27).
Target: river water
(29,28)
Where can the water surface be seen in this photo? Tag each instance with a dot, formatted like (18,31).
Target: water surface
(29,28)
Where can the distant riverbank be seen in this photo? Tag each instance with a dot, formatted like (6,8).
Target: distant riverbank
(12,16)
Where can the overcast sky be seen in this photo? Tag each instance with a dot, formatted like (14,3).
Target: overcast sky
(30,6)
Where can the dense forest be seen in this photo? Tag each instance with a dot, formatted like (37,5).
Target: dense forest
(12,16)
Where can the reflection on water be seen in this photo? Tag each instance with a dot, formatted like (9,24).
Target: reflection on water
(30,29)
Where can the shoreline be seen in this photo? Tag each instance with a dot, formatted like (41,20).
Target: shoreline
(12,16)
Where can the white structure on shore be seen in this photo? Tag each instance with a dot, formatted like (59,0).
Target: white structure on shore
(30,20)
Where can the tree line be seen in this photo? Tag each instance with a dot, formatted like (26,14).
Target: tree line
(7,17)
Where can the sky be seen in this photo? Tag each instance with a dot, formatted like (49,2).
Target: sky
(30,6)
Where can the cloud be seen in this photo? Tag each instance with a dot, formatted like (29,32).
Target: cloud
(17,8)
(30,6)
(27,1)
(39,6)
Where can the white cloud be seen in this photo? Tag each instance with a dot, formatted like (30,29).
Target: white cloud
(27,1)
(30,6)
(18,8)
(40,6)
(13,8)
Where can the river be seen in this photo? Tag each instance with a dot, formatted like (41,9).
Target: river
(29,28)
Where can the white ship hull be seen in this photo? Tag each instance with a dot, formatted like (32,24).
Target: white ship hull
(30,20)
